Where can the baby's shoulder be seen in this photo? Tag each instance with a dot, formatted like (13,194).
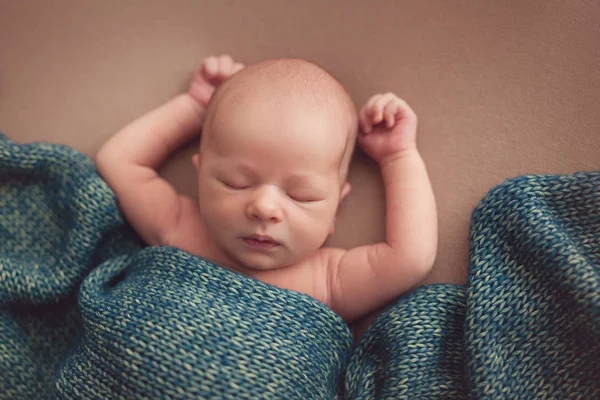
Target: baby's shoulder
(189,233)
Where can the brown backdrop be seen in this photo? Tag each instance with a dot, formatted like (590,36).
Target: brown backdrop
(501,88)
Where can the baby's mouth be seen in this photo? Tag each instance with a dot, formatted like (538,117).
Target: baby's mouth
(261,242)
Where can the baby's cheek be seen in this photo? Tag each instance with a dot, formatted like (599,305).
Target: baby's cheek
(314,227)
(227,208)
(218,221)
(212,203)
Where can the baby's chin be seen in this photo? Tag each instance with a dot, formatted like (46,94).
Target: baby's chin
(265,265)
(262,262)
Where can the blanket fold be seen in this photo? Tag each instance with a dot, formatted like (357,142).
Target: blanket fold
(533,314)
(529,323)
(163,323)
(413,350)
(87,311)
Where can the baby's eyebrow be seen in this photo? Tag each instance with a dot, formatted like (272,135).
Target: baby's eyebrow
(244,169)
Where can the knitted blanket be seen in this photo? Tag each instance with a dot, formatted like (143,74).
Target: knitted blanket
(87,311)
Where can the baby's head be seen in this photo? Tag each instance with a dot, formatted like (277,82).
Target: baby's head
(272,167)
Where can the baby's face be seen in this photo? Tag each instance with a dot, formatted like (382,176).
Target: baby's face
(269,182)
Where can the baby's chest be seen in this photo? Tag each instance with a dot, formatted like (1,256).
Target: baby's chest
(308,277)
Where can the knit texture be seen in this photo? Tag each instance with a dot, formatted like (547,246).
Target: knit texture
(413,350)
(530,327)
(86,311)
(533,314)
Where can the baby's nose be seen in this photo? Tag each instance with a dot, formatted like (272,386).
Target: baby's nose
(265,206)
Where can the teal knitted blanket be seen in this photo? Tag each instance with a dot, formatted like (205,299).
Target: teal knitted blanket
(88,312)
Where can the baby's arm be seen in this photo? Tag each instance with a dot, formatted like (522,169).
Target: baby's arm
(129,160)
(367,277)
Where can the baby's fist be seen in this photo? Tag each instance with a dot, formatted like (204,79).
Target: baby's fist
(388,126)
(213,72)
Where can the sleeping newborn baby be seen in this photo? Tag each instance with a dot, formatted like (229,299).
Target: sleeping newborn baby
(277,141)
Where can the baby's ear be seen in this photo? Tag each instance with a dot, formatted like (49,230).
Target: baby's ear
(345,190)
(196,161)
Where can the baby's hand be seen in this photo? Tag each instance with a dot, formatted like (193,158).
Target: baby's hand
(213,72)
(389,126)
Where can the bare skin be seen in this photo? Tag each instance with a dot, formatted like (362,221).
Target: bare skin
(270,182)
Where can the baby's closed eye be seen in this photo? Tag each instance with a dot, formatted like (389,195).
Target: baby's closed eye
(304,198)
(234,184)
(305,195)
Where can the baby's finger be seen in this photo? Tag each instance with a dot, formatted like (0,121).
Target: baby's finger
(379,105)
(371,102)
(384,100)
(364,120)
(389,111)
(404,111)
(371,110)
(225,64)
(236,67)
(210,66)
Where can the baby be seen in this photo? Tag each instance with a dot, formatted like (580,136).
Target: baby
(277,140)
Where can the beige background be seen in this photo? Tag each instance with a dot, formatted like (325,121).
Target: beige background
(502,88)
